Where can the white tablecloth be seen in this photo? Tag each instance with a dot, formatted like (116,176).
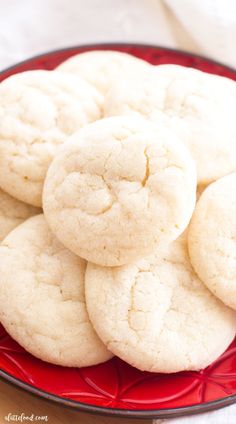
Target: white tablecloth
(208,27)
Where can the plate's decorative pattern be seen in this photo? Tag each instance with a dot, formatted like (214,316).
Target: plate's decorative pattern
(115,384)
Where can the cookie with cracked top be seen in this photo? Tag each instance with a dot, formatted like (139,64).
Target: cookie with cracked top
(156,314)
(118,189)
(102,67)
(198,106)
(42,300)
(212,239)
(39,110)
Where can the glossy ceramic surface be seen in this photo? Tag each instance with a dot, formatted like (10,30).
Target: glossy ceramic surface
(115,388)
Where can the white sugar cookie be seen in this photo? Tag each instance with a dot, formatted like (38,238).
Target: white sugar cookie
(38,111)
(118,189)
(156,314)
(12,213)
(101,67)
(42,304)
(199,107)
(172,70)
(212,239)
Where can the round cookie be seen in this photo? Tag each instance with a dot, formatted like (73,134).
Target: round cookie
(118,189)
(156,314)
(101,67)
(172,70)
(42,302)
(199,107)
(13,212)
(212,239)
(38,111)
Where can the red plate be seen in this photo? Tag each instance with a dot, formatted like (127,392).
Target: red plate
(115,388)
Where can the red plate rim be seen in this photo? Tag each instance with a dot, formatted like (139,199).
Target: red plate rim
(117,44)
(115,412)
(80,406)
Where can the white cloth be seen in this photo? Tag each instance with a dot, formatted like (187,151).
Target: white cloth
(208,27)
(221,416)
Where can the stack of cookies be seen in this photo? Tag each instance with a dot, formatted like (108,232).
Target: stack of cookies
(121,260)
